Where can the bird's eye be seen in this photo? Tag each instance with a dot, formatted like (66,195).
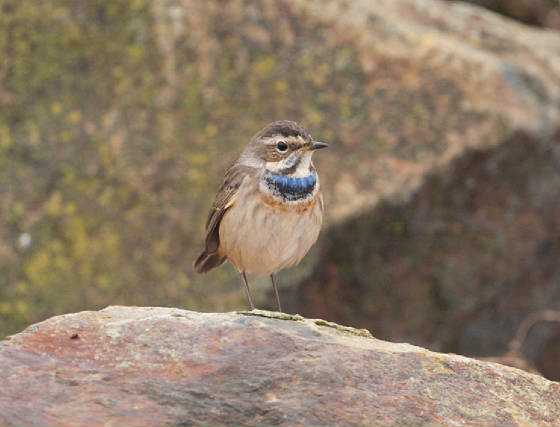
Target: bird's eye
(282,146)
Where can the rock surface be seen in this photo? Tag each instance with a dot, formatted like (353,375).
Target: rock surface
(162,366)
(467,123)
(109,196)
(459,266)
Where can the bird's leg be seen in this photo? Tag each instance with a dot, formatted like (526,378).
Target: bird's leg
(244,278)
(276,293)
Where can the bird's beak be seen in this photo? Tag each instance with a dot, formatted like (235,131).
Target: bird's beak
(317,145)
(313,145)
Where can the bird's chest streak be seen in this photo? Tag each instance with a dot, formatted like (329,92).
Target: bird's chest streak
(289,188)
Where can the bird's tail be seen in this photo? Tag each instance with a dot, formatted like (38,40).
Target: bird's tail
(207,261)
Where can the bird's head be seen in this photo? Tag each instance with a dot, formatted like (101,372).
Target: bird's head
(282,147)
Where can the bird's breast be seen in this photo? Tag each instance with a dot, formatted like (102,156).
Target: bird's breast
(263,233)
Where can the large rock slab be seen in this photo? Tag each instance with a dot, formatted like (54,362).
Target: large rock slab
(162,366)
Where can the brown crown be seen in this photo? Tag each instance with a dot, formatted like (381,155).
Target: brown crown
(285,128)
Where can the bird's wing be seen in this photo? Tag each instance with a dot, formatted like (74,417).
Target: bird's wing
(227,194)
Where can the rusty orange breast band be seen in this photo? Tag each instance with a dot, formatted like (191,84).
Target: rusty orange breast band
(300,207)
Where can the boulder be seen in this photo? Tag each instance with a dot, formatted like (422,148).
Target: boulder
(456,268)
(441,181)
(163,366)
(461,243)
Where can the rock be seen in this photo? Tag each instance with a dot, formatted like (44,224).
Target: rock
(442,178)
(162,366)
(113,192)
(459,266)
(462,242)
(543,13)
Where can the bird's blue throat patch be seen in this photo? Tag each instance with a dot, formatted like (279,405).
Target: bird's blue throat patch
(290,188)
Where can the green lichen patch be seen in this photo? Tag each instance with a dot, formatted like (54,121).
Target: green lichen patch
(298,318)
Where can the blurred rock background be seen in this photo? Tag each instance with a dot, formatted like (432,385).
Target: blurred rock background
(541,13)
(442,181)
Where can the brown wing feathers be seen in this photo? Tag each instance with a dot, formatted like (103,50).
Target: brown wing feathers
(209,258)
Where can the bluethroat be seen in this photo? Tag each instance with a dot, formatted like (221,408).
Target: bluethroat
(269,209)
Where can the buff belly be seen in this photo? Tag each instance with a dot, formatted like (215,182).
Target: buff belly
(264,238)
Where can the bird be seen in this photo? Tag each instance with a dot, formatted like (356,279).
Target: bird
(268,211)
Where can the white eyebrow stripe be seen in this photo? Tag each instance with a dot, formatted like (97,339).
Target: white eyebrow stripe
(270,140)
